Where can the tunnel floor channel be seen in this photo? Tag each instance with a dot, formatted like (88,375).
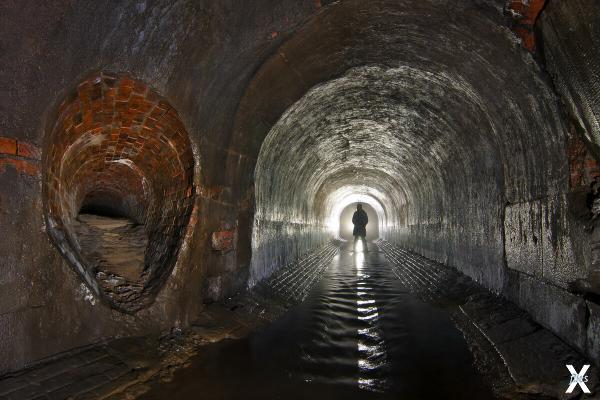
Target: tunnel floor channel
(360,334)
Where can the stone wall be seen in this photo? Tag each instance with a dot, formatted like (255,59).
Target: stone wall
(550,240)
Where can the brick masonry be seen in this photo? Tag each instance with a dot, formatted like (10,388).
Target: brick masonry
(583,166)
(118,144)
(24,157)
(223,240)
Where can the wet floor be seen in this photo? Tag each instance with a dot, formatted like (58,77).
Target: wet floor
(359,335)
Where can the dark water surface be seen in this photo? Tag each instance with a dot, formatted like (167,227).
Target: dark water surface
(359,335)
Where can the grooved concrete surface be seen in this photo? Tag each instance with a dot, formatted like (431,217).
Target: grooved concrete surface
(293,282)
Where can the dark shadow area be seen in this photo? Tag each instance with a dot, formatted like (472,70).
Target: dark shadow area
(112,204)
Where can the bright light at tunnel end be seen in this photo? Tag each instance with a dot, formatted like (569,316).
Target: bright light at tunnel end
(341,199)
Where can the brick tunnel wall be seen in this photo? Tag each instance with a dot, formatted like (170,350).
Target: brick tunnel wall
(118,146)
(553,269)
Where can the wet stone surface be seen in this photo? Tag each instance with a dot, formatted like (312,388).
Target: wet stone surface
(361,333)
(112,245)
(124,368)
(519,358)
(379,325)
(293,283)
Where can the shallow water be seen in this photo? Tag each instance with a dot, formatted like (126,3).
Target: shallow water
(359,335)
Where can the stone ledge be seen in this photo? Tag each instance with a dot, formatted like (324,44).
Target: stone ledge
(564,313)
(534,357)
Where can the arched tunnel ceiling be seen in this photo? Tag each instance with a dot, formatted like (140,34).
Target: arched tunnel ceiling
(398,130)
(466,158)
(401,88)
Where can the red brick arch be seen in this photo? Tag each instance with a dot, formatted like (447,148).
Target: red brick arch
(119,145)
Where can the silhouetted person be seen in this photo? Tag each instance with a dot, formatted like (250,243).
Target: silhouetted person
(360,221)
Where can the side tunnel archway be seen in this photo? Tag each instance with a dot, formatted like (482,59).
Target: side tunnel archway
(118,187)
(339,203)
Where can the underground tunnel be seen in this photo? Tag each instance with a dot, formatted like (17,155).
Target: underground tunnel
(180,181)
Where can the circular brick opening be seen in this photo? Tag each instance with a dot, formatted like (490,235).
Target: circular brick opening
(118,187)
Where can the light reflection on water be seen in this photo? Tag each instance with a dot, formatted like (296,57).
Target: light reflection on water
(371,346)
(359,335)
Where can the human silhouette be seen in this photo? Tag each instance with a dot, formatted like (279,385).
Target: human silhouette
(360,221)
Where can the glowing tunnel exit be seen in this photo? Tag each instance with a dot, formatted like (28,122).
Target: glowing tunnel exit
(342,205)
(346,225)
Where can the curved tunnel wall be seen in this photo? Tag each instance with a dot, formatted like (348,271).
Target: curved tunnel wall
(443,114)
(199,56)
(426,142)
